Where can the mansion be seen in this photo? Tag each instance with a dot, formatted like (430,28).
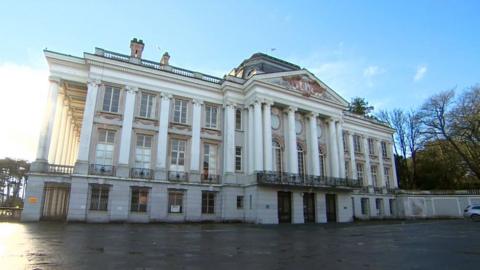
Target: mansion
(126,139)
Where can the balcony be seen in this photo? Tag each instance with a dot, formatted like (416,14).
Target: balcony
(141,173)
(210,178)
(99,169)
(177,176)
(305,181)
(59,169)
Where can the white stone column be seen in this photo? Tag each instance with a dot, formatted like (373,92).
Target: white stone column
(258,148)
(61,133)
(367,169)
(162,144)
(267,136)
(48,121)
(126,133)
(229,138)
(394,168)
(251,143)
(66,138)
(341,150)
(292,141)
(56,128)
(333,149)
(195,148)
(353,163)
(380,164)
(68,149)
(313,147)
(81,165)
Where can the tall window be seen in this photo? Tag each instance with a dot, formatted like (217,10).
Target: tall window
(177,156)
(105,146)
(175,201)
(143,151)
(344,141)
(147,105)
(365,206)
(379,206)
(111,99)
(180,111)
(99,197)
(384,149)
(209,159)
(373,170)
(386,172)
(211,116)
(347,167)
(238,119)
(277,157)
(208,202)
(371,146)
(238,158)
(360,172)
(322,162)
(301,160)
(139,200)
(357,145)
(239,202)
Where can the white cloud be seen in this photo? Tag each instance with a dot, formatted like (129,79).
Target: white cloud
(372,71)
(421,70)
(23,95)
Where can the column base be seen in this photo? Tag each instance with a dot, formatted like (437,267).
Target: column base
(161,174)
(122,170)
(39,165)
(81,167)
(194,177)
(229,178)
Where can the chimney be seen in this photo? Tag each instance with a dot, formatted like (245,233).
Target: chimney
(165,59)
(136,47)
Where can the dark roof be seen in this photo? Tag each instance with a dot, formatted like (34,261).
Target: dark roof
(270,58)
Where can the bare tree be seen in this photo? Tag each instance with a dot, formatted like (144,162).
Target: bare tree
(414,140)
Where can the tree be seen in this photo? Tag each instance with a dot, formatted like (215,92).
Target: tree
(13,174)
(457,122)
(360,106)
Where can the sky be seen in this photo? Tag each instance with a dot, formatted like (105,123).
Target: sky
(393,53)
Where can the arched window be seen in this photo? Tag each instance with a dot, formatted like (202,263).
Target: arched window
(322,162)
(277,157)
(301,160)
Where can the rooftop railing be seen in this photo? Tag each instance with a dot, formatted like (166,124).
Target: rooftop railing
(288,179)
(158,66)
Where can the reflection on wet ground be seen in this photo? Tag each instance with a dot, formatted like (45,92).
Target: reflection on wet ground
(373,245)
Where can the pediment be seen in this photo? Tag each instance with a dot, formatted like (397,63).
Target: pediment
(306,84)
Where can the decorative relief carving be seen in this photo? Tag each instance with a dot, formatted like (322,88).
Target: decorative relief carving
(303,84)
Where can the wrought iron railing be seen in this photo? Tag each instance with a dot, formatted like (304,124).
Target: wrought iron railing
(378,190)
(99,169)
(210,178)
(288,179)
(141,173)
(178,176)
(59,169)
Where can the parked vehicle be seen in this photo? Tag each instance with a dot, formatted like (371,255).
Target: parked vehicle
(472,212)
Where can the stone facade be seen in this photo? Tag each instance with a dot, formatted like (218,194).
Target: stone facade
(130,140)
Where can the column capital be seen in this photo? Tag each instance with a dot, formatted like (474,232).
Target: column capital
(257,100)
(166,96)
(94,82)
(197,101)
(131,89)
(54,79)
(229,104)
(268,102)
(312,115)
(291,109)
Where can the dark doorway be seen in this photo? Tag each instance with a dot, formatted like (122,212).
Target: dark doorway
(309,207)
(331,205)
(284,207)
(55,202)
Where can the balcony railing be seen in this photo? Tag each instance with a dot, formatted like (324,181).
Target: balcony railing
(210,178)
(177,176)
(378,190)
(288,179)
(99,169)
(59,169)
(141,173)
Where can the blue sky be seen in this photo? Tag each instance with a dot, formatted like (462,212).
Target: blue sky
(395,54)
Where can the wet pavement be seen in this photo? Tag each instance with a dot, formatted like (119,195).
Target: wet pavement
(448,244)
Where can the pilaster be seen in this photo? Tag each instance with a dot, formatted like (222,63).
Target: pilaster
(292,141)
(333,149)
(126,133)
(195,141)
(162,144)
(313,147)
(258,146)
(267,135)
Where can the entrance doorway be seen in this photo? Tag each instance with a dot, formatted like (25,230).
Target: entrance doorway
(55,202)
(284,207)
(309,207)
(331,205)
